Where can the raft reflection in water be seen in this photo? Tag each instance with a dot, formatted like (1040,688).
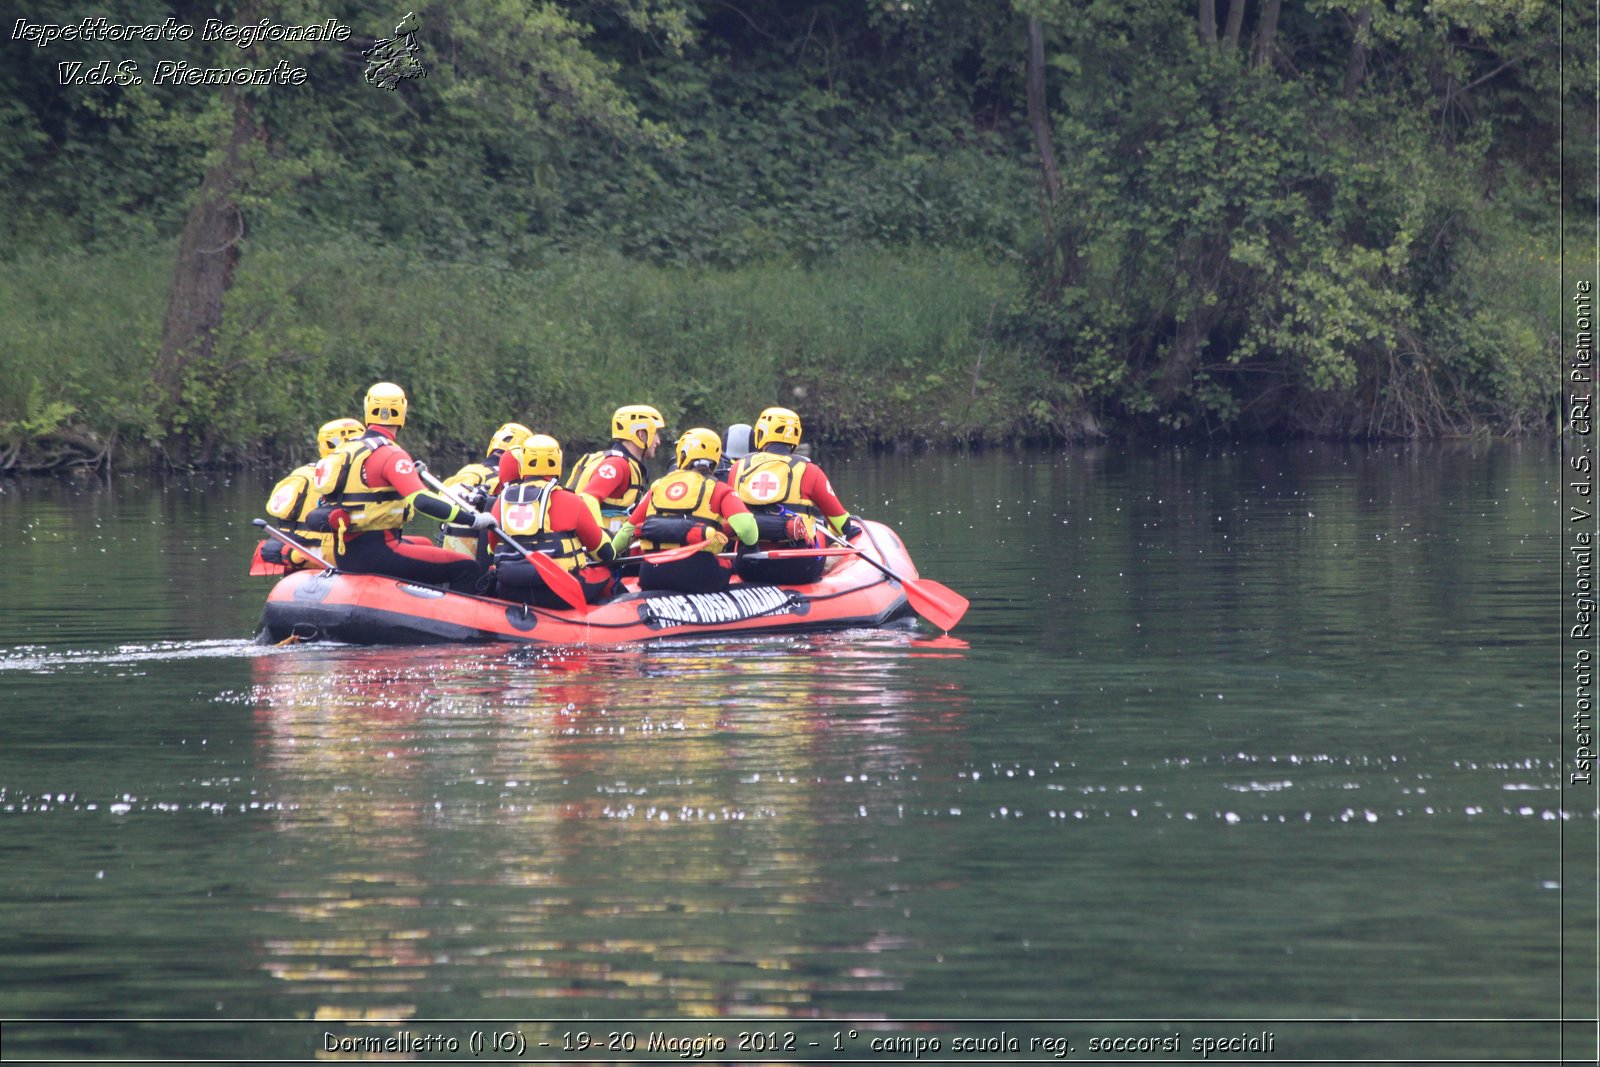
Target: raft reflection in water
(652,825)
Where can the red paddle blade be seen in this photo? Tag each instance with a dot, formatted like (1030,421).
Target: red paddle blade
(939,604)
(560,580)
(260,567)
(669,555)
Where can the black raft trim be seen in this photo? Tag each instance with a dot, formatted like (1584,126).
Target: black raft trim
(735,604)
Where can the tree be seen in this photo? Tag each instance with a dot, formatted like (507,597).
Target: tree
(1284,244)
(208,251)
(511,64)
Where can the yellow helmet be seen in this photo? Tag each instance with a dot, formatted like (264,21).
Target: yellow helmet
(638,423)
(699,445)
(385,405)
(777,426)
(335,433)
(511,435)
(541,456)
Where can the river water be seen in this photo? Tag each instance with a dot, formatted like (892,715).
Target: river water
(1259,746)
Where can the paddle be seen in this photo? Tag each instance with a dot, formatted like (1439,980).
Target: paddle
(273,531)
(798,553)
(939,604)
(668,555)
(557,577)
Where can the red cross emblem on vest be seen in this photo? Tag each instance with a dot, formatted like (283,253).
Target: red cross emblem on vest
(764,487)
(520,516)
(677,491)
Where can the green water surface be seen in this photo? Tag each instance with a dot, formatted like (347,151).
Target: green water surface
(1232,743)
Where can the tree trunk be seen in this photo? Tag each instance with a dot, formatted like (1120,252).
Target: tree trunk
(208,250)
(1177,373)
(1356,70)
(1235,23)
(1039,114)
(1209,258)
(1208,23)
(1266,35)
(1058,231)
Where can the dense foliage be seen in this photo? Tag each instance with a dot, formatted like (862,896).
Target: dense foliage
(1338,217)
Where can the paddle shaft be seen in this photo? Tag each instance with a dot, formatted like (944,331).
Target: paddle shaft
(828,533)
(670,554)
(842,543)
(273,531)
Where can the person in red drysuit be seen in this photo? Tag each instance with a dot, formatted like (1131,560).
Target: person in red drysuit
(689,507)
(616,478)
(789,495)
(371,484)
(539,514)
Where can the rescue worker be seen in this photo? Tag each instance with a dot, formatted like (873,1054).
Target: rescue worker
(542,515)
(616,477)
(295,497)
(371,484)
(788,494)
(687,507)
(477,483)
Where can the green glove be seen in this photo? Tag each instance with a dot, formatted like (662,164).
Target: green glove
(622,539)
(846,525)
(744,527)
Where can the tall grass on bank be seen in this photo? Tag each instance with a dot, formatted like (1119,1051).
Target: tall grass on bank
(79,336)
(871,347)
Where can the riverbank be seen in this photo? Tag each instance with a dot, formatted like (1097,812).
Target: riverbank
(922,346)
(876,348)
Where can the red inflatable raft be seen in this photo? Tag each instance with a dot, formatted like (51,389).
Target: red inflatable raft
(371,609)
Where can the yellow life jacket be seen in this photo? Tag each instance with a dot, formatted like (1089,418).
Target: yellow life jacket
(293,497)
(465,539)
(771,479)
(474,475)
(613,509)
(680,495)
(769,483)
(525,515)
(292,501)
(342,482)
